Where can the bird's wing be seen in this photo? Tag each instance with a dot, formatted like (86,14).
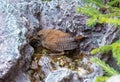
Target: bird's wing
(49,45)
(66,43)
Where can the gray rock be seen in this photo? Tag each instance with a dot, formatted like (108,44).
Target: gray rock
(63,75)
(66,75)
(53,72)
(61,14)
(15,29)
(21,19)
(22,77)
(112,34)
(115,78)
(30,16)
(45,64)
(12,42)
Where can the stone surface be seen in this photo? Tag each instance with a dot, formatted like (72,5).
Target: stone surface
(63,69)
(45,65)
(16,26)
(22,77)
(112,34)
(21,19)
(66,75)
(63,75)
(61,14)
(12,41)
(115,78)
(12,36)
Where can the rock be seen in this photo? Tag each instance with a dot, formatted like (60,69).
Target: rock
(12,41)
(66,75)
(45,64)
(54,72)
(30,16)
(115,78)
(21,19)
(16,28)
(11,38)
(63,75)
(112,34)
(57,15)
(22,77)
(61,14)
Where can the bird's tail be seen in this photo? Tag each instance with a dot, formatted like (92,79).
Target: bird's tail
(80,37)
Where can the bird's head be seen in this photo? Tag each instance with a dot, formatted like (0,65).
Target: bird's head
(39,37)
(42,34)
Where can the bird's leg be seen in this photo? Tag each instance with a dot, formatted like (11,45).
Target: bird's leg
(61,53)
(44,51)
(57,54)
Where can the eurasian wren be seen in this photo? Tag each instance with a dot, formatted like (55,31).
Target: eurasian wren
(57,41)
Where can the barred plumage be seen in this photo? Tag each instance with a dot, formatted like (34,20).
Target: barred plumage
(56,40)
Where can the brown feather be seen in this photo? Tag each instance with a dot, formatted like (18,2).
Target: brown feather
(56,40)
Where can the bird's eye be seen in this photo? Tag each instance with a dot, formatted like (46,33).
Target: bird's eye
(38,36)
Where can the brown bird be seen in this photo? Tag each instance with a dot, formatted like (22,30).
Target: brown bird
(57,41)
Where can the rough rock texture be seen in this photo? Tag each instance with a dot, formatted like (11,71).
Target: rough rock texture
(12,41)
(30,15)
(21,19)
(10,34)
(61,14)
(63,75)
(115,78)
(22,77)
(112,34)
(67,75)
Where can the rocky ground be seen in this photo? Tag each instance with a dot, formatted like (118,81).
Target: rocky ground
(21,62)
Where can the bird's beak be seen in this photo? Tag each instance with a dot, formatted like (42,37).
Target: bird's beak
(34,41)
(34,38)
